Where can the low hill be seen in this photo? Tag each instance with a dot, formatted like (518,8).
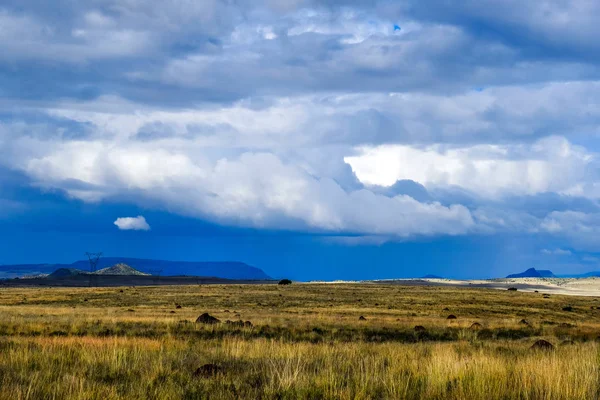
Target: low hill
(21,270)
(119,269)
(533,273)
(66,273)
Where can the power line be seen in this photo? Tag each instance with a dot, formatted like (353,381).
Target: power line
(94,259)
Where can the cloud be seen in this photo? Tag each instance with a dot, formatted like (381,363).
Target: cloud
(557,252)
(549,165)
(564,27)
(503,115)
(297,164)
(96,38)
(132,223)
(471,119)
(253,189)
(184,53)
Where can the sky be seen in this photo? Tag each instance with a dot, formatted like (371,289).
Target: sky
(341,139)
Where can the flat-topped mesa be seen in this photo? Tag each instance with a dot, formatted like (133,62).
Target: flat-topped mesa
(533,273)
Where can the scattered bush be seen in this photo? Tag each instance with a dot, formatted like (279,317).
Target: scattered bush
(476,326)
(206,318)
(542,345)
(207,371)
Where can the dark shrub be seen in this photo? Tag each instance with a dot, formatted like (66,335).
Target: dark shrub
(542,345)
(485,334)
(207,370)
(285,282)
(206,318)
(512,289)
(567,308)
(476,326)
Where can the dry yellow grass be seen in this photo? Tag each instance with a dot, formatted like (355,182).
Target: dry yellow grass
(307,342)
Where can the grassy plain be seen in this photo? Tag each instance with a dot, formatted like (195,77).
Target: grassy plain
(307,342)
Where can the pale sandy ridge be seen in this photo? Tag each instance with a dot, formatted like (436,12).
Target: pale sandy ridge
(565,286)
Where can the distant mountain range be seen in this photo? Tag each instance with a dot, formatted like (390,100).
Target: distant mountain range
(217,269)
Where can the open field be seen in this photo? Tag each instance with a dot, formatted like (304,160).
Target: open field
(306,342)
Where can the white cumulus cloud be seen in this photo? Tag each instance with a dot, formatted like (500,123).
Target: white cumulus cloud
(132,223)
(549,165)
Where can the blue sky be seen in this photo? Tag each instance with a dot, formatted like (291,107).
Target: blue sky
(313,139)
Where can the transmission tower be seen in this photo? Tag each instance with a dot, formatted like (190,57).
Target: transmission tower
(155,275)
(94,259)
